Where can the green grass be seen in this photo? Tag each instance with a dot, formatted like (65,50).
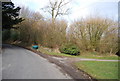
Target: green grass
(99,70)
(95,55)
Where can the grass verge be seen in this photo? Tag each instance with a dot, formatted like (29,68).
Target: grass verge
(90,55)
(99,70)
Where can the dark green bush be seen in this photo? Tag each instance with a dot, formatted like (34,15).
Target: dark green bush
(69,49)
(14,35)
(9,35)
(5,35)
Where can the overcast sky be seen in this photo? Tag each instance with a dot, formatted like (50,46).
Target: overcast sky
(79,8)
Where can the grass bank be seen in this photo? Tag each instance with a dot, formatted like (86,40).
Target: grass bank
(91,55)
(52,52)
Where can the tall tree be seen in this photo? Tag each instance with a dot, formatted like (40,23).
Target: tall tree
(56,8)
(10,15)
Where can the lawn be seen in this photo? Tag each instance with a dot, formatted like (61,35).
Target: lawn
(99,56)
(99,70)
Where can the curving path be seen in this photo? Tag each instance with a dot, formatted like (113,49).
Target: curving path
(19,63)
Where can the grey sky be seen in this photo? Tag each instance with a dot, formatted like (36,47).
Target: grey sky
(79,8)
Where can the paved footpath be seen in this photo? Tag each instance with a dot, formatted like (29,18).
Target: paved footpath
(85,59)
(19,63)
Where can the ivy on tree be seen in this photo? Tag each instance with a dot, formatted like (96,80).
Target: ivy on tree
(10,15)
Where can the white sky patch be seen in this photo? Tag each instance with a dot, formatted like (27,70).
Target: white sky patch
(36,4)
(109,0)
(80,9)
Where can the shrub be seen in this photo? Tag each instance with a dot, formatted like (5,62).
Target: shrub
(5,35)
(14,35)
(69,49)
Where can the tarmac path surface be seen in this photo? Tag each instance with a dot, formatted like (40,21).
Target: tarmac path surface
(19,63)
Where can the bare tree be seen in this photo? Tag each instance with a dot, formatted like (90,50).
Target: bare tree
(96,34)
(29,28)
(56,8)
(28,14)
